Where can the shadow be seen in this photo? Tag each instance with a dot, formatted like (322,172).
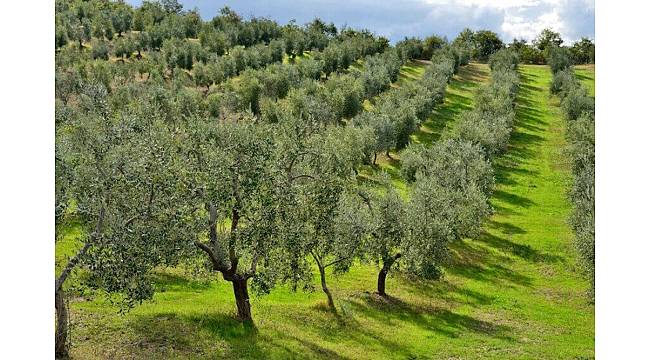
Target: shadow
(171,282)
(512,199)
(429,317)
(481,264)
(506,228)
(169,333)
(440,289)
(523,251)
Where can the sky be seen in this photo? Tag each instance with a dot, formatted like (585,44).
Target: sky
(396,19)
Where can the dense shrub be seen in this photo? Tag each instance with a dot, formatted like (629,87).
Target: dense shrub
(558,58)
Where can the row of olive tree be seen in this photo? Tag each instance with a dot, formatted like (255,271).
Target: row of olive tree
(490,123)
(80,20)
(398,113)
(259,90)
(168,111)
(579,111)
(453,179)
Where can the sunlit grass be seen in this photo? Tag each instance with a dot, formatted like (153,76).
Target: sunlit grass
(513,293)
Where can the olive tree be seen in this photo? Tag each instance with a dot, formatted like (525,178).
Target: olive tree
(387,232)
(330,216)
(119,168)
(235,195)
(452,182)
(121,18)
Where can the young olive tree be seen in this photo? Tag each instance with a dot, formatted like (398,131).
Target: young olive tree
(387,233)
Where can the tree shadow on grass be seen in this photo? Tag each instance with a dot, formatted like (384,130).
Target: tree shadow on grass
(442,289)
(523,251)
(512,199)
(476,262)
(505,227)
(429,317)
(165,281)
(167,333)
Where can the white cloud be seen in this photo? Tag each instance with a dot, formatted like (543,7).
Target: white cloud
(527,18)
(399,18)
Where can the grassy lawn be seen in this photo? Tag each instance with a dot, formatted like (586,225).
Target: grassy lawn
(587,76)
(513,293)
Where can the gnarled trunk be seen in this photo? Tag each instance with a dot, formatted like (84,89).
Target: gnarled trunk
(381,279)
(240,287)
(61,335)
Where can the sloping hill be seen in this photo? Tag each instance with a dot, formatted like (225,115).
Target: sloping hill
(513,293)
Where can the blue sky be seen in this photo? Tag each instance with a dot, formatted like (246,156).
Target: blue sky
(397,19)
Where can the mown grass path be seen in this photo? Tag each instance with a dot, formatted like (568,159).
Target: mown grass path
(513,293)
(524,263)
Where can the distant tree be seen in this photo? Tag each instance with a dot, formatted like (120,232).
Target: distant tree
(294,39)
(249,91)
(345,95)
(124,47)
(430,44)
(213,40)
(141,42)
(547,38)
(229,15)
(103,28)
(583,51)
(558,58)
(464,44)
(172,6)
(121,19)
(409,48)
(60,35)
(193,23)
(527,54)
(485,44)
(81,31)
(202,75)
(100,50)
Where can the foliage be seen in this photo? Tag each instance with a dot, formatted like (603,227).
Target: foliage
(558,58)
(547,39)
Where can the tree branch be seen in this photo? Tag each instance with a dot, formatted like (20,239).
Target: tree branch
(75,260)
(216,264)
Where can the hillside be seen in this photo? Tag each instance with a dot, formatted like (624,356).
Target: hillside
(514,292)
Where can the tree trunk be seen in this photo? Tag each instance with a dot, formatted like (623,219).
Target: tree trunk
(323,284)
(388,154)
(240,287)
(381,279)
(374,160)
(61,335)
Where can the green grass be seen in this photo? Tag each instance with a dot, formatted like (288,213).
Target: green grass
(513,293)
(587,76)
